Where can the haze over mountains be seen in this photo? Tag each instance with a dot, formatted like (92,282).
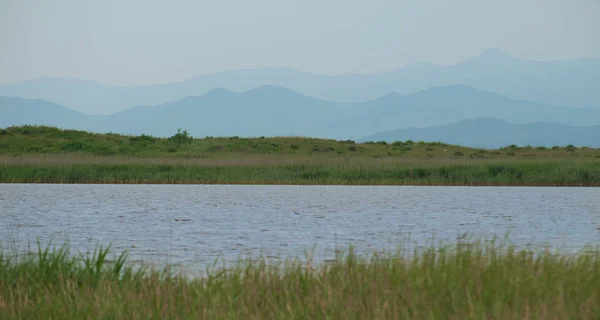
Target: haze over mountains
(490,100)
(277,111)
(574,83)
(492,133)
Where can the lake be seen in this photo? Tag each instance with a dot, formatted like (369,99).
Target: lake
(192,225)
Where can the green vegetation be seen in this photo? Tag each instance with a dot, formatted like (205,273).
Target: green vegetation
(478,280)
(51,155)
(544,174)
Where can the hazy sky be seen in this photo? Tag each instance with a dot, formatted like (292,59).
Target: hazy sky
(133,42)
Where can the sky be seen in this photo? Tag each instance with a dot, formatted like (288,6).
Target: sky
(138,42)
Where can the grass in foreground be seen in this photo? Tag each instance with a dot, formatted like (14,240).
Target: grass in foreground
(50,155)
(465,281)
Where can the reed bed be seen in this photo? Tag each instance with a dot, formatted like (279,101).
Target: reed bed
(475,280)
(532,173)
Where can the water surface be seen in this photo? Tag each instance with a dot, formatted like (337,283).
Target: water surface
(193,225)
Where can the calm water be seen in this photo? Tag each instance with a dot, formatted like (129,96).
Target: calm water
(194,225)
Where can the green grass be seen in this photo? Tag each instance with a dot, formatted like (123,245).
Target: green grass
(479,280)
(48,140)
(546,173)
(50,155)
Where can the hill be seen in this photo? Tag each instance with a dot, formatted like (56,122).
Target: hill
(16,111)
(263,111)
(50,155)
(492,133)
(443,105)
(36,140)
(276,111)
(572,83)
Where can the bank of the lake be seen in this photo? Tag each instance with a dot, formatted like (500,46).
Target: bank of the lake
(31,154)
(464,281)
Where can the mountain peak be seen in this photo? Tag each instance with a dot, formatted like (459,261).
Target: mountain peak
(273,91)
(219,91)
(388,97)
(492,55)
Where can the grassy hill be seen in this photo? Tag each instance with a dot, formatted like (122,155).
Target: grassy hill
(46,154)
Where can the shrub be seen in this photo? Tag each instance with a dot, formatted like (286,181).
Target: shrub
(73,146)
(143,139)
(408,142)
(295,146)
(570,148)
(181,139)
(382,143)
(458,154)
(352,148)
(322,149)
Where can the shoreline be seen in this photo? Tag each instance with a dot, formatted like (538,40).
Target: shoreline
(316,184)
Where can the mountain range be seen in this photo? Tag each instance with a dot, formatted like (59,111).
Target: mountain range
(277,111)
(492,133)
(574,83)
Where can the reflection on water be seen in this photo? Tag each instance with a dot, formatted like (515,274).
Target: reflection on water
(194,225)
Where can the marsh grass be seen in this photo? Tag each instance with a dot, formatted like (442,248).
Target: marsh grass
(541,173)
(469,280)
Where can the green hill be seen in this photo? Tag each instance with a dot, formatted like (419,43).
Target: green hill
(46,154)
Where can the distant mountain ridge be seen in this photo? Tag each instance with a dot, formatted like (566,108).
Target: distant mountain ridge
(493,133)
(276,111)
(17,111)
(571,83)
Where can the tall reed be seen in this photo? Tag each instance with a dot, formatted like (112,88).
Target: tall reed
(477,280)
(545,173)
